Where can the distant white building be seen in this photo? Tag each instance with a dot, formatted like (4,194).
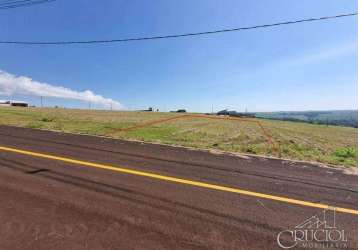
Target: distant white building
(5,103)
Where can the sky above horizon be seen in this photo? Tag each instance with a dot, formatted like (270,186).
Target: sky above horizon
(307,66)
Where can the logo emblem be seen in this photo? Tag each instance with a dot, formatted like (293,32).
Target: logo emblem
(318,231)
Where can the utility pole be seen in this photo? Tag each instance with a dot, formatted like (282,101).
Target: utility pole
(41,98)
(111,106)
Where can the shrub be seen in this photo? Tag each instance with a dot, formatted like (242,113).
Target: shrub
(252,149)
(347,152)
(46,119)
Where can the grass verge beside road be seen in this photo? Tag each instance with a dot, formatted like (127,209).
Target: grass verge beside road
(299,141)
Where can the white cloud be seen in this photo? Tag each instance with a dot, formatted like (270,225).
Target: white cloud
(325,54)
(21,85)
(308,59)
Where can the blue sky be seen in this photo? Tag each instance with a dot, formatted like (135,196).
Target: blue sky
(311,66)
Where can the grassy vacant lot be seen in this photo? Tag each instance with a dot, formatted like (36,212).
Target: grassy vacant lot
(301,141)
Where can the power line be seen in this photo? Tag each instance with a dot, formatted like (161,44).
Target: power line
(11,3)
(24,3)
(14,2)
(181,35)
(21,3)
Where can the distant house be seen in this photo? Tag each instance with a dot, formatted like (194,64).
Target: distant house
(14,103)
(4,103)
(150,109)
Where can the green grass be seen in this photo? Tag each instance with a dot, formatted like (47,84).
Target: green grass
(300,141)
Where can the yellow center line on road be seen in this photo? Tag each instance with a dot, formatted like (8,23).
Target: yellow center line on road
(181,181)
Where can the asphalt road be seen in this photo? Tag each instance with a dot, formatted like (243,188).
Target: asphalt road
(53,204)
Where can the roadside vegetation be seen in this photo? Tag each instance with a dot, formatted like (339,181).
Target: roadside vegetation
(300,141)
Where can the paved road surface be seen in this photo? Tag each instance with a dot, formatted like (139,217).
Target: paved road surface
(53,204)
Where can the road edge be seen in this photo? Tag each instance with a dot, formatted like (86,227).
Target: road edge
(345,169)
